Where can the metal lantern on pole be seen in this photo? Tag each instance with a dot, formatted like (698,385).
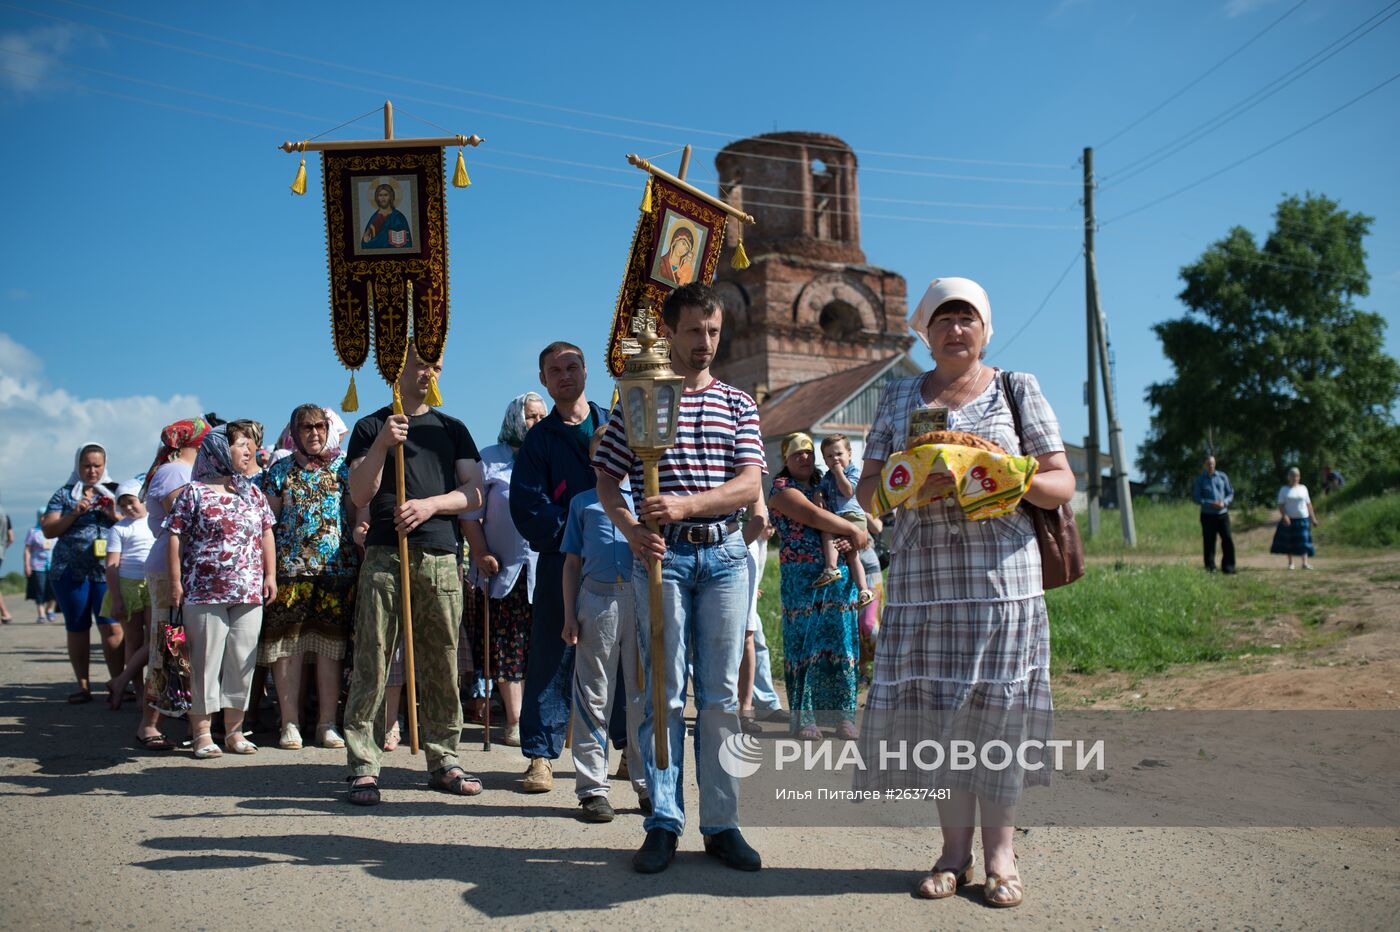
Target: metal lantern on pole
(651,397)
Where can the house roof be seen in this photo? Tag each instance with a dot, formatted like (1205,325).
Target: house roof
(800,406)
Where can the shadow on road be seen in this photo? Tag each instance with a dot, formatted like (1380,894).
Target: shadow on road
(511,882)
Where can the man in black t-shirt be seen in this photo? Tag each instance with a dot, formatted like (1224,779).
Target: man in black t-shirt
(442,478)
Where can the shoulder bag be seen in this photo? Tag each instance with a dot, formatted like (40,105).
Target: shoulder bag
(1061,550)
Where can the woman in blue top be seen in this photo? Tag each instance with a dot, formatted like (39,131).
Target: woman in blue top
(79,515)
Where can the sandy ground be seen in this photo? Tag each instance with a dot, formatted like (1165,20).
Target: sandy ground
(102,835)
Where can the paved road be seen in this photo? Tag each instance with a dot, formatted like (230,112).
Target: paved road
(102,835)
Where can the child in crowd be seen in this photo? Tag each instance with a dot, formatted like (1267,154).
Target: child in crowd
(838,495)
(599,622)
(127,599)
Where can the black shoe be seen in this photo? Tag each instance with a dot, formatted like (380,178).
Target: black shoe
(1229,572)
(729,846)
(596,809)
(777,716)
(655,854)
(749,725)
(644,804)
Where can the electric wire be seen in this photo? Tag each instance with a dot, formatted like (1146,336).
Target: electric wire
(1074,260)
(1255,154)
(1200,77)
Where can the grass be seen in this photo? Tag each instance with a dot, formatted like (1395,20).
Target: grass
(1169,529)
(12,584)
(1369,523)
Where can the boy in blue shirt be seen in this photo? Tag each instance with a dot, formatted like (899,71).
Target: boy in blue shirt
(838,496)
(600,623)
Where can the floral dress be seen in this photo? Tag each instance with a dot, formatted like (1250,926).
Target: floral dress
(820,632)
(316,561)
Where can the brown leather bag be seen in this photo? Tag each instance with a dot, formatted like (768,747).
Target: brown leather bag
(1061,550)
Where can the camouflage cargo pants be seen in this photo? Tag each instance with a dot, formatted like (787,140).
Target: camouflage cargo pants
(436,596)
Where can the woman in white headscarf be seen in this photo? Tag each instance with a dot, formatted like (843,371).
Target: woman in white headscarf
(78,515)
(964,648)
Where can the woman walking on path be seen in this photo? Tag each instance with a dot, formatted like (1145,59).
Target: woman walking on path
(223,563)
(316,574)
(965,639)
(37,588)
(1293,536)
(503,564)
(821,644)
(79,515)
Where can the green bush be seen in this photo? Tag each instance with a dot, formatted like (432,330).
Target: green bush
(1378,482)
(1368,523)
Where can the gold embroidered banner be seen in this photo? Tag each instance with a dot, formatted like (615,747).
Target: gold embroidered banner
(677,241)
(386,246)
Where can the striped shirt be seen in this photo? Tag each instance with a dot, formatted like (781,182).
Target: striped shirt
(716,434)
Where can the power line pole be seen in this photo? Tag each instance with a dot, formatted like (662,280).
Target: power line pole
(1098,337)
(1091,388)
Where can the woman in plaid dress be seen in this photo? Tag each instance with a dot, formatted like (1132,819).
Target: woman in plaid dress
(964,649)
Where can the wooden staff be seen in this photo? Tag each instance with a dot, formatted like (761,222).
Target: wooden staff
(486,649)
(660,714)
(405,601)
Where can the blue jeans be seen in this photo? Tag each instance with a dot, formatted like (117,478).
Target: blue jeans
(705,591)
(79,599)
(549,667)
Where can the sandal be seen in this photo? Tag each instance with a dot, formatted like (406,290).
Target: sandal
(809,733)
(364,794)
(237,744)
(1003,891)
(392,739)
(208,751)
(944,881)
(865,598)
(155,742)
(826,578)
(455,782)
(79,697)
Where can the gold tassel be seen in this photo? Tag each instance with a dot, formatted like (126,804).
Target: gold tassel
(741,258)
(351,401)
(299,182)
(398,400)
(459,177)
(433,398)
(646,197)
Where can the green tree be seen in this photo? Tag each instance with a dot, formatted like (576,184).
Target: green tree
(1274,365)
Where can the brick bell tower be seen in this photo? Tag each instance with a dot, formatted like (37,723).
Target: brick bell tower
(809,305)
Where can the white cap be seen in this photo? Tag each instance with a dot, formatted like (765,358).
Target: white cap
(130,487)
(940,292)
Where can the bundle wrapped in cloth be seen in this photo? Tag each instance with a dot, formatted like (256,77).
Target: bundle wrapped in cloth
(987,481)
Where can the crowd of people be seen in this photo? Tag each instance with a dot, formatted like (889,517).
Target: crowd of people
(225,565)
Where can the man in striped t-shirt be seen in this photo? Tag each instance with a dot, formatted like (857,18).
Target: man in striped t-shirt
(714,469)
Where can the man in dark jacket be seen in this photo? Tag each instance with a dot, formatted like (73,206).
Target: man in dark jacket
(550,470)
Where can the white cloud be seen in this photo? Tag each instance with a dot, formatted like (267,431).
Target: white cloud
(29,58)
(43,427)
(1234,8)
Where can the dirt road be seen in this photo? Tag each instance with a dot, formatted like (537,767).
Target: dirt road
(99,835)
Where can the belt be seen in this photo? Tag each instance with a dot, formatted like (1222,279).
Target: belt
(700,533)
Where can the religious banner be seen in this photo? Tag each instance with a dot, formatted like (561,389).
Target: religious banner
(386,247)
(678,240)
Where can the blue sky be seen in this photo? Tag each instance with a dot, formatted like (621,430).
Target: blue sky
(156,265)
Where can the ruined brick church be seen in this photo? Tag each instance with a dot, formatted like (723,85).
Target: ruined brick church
(812,330)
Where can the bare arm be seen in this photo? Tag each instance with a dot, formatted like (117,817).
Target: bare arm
(843,485)
(269,552)
(366,471)
(114,561)
(483,560)
(792,504)
(743,489)
(172,569)
(1053,485)
(573,571)
(758,526)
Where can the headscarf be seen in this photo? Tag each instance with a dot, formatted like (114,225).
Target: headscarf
(513,428)
(940,292)
(291,440)
(174,438)
(76,480)
(213,462)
